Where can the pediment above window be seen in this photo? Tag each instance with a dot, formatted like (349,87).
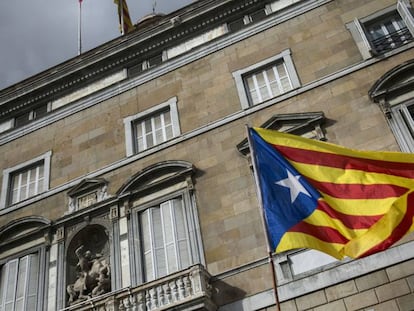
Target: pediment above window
(395,86)
(307,124)
(23,228)
(87,193)
(157,176)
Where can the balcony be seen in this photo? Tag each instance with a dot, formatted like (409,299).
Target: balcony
(392,40)
(189,289)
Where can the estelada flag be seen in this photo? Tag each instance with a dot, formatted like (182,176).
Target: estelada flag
(343,202)
(124,19)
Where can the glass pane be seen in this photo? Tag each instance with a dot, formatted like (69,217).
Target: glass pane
(161,266)
(33,275)
(149,140)
(172,258)
(159,136)
(281,70)
(24,177)
(21,278)
(19,305)
(286,86)
(260,80)
(146,236)
(15,197)
(157,229)
(167,220)
(148,126)
(180,220)
(264,92)
(167,118)
(149,276)
(184,254)
(11,281)
(169,132)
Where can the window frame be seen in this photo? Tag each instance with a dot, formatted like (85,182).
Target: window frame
(150,187)
(359,32)
(29,264)
(8,176)
(139,251)
(240,76)
(402,125)
(129,125)
(191,225)
(31,234)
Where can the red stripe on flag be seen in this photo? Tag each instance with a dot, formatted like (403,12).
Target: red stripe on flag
(358,191)
(400,230)
(346,162)
(349,221)
(325,234)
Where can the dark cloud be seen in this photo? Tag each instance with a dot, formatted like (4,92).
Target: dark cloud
(36,35)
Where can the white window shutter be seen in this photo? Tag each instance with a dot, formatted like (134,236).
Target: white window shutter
(406,11)
(10,285)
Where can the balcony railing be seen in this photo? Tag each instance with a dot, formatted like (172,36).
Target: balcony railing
(187,289)
(392,41)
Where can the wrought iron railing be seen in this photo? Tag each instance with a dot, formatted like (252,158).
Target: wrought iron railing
(392,41)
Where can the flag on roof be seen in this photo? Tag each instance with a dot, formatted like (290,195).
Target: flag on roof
(322,196)
(125,22)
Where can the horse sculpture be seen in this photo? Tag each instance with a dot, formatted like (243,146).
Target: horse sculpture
(93,276)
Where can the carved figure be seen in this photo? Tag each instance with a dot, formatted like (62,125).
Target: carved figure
(93,277)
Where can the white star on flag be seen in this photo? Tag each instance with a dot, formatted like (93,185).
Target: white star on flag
(295,187)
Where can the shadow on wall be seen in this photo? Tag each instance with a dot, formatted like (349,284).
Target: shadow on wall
(224,293)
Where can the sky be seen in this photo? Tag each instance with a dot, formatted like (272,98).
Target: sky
(38,34)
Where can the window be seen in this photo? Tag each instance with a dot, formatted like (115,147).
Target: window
(266,80)
(27,183)
(402,122)
(34,114)
(394,93)
(163,220)
(25,180)
(151,127)
(384,30)
(22,268)
(19,283)
(387,33)
(165,242)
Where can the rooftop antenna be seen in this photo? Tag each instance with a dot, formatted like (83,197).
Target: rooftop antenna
(154,4)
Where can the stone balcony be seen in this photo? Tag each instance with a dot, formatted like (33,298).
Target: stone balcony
(189,289)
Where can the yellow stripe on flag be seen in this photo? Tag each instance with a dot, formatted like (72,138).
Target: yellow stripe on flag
(292,240)
(319,217)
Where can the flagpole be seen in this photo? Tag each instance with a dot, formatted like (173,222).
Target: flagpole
(121,9)
(80,28)
(259,195)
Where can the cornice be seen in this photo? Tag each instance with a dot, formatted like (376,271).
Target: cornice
(116,54)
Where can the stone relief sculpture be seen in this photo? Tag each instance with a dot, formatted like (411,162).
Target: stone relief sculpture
(93,276)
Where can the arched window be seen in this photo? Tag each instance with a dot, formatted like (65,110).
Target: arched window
(22,272)
(394,92)
(163,228)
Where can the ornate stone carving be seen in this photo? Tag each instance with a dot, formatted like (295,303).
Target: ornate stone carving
(93,276)
(88,264)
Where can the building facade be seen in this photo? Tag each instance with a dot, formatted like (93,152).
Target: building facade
(126,179)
